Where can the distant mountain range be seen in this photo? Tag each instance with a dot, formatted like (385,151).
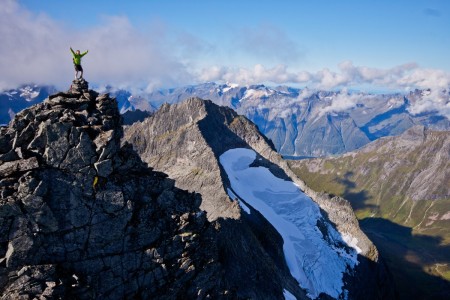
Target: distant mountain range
(13,101)
(303,122)
(300,122)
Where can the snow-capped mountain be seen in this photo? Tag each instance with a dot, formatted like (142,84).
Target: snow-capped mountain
(85,215)
(303,122)
(13,101)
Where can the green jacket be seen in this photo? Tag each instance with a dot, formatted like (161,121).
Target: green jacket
(77,57)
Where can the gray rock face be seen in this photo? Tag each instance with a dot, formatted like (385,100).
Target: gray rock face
(83,218)
(185,141)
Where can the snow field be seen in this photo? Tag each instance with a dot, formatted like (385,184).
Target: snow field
(317,262)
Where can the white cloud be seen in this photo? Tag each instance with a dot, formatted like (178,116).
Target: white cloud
(268,42)
(351,75)
(404,77)
(258,74)
(305,93)
(343,101)
(35,48)
(437,98)
(407,76)
(30,47)
(433,100)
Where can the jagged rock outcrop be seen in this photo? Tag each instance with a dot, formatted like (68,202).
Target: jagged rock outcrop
(83,218)
(133,116)
(185,140)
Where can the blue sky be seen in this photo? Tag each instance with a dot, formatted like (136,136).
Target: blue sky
(328,44)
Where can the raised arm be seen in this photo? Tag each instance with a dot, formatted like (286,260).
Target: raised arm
(83,54)
(71,50)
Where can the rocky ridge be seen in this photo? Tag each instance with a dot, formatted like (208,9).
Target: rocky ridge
(82,217)
(187,148)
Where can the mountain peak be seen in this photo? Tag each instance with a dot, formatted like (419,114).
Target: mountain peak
(188,141)
(81,215)
(79,86)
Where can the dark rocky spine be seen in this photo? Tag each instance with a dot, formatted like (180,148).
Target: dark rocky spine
(83,218)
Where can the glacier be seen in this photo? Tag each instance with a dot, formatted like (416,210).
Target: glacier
(316,258)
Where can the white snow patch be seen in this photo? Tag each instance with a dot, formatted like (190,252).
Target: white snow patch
(256,94)
(317,265)
(352,242)
(231,194)
(425,93)
(288,296)
(124,109)
(229,87)
(28,93)
(446,216)
(226,89)
(11,114)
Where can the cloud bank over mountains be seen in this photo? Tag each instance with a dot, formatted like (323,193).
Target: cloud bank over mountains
(35,49)
(404,77)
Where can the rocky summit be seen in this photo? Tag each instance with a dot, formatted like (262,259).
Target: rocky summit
(82,217)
